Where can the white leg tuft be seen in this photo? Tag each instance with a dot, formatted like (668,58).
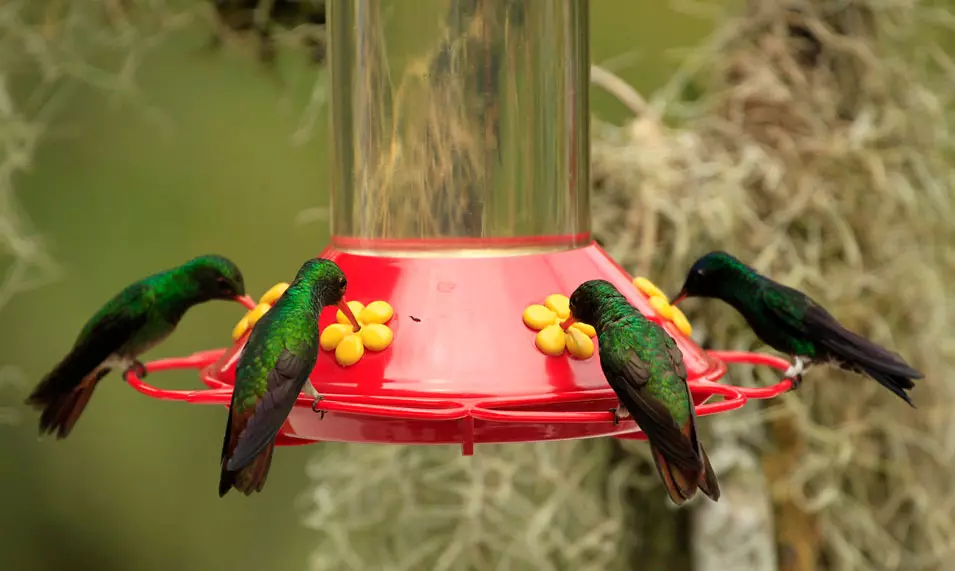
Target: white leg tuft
(798,367)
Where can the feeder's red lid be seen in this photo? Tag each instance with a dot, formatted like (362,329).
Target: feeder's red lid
(463,367)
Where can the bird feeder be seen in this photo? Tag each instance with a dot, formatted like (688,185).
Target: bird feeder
(460,215)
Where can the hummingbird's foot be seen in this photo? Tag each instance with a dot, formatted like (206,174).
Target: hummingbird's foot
(619,413)
(308,389)
(795,371)
(315,408)
(795,381)
(138,369)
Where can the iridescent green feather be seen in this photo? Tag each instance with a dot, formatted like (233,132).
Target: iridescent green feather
(636,335)
(623,333)
(164,297)
(291,324)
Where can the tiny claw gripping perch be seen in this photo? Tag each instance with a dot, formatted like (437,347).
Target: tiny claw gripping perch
(795,371)
(795,381)
(137,368)
(617,415)
(317,410)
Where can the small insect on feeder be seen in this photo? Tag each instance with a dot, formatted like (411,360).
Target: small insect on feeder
(460,215)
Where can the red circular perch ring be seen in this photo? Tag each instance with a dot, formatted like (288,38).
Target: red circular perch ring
(734,398)
(409,394)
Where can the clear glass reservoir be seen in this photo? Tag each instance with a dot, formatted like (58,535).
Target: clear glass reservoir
(459,124)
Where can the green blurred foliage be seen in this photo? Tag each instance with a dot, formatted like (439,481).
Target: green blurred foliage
(204,162)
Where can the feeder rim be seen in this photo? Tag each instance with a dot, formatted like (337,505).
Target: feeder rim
(480,408)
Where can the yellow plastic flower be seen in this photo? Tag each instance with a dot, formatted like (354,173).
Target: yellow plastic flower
(659,302)
(374,335)
(252,317)
(551,338)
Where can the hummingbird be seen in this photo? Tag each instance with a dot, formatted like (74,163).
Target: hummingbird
(138,318)
(791,322)
(644,367)
(273,370)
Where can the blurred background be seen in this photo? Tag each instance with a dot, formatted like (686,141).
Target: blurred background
(131,147)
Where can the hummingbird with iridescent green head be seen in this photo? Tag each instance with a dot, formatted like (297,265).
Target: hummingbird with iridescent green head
(137,319)
(644,367)
(791,322)
(273,370)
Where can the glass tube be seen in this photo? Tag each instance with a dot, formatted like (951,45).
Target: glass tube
(459,124)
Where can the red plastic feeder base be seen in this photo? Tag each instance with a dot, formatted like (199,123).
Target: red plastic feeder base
(463,368)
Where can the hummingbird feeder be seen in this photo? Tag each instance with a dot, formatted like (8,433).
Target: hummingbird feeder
(460,215)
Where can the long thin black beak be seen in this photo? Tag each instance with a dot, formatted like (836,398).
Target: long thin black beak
(679,297)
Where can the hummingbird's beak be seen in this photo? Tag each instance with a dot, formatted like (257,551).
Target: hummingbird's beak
(245,300)
(568,322)
(342,305)
(679,297)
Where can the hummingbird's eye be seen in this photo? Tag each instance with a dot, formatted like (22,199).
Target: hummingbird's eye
(342,283)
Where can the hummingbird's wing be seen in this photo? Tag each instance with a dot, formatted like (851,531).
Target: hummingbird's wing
(805,318)
(65,391)
(786,305)
(283,385)
(103,336)
(842,347)
(708,483)
(652,416)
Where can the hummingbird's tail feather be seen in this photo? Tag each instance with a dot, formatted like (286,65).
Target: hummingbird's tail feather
(887,374)
(681,479)
(895,383)
(249,479)
(679,486)
(682,483)
(707,482)
(249,474)
(674,447)
(855,353)
(63,394)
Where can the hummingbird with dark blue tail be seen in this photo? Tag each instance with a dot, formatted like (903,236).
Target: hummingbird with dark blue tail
(790,322)
(273,370)
(137,319)
(644,367)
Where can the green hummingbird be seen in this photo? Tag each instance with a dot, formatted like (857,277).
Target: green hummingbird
(644,367)
(273,370)
(135,320)
(790,322)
